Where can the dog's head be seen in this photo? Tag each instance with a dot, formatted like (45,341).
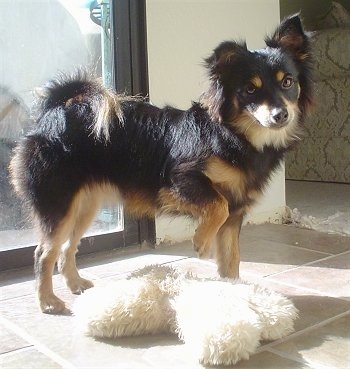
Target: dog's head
(262,94)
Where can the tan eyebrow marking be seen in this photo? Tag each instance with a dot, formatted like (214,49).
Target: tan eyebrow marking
(280,75)
(256,81)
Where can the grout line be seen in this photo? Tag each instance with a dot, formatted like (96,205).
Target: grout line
(295,267)
(326,258)
(16,297)
(302,331)
(265,280)
(306,289)
(13,351)
(177,260)
(283,271)
(304,248)
(128,272)
(36,344)
(91,276)
(310,263)
(288,356)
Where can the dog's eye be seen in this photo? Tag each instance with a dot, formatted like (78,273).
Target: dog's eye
(287,82)
(250,89)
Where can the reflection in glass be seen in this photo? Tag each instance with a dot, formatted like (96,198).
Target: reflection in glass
(43,37)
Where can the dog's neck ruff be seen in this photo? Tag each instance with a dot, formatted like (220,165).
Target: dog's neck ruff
(260,136)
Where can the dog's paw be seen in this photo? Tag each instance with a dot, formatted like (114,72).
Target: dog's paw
(228,270)
(79,285)
(51,304)
(202,246)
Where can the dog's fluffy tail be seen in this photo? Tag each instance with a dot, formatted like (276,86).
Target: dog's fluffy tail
(80,87)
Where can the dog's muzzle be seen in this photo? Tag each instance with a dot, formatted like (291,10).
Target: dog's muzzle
(272,117)
(279,117)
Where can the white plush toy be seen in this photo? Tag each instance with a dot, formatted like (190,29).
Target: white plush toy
(220,320)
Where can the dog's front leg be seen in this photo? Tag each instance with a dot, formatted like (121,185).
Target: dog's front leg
(227,247)
(213,216)
(193,193)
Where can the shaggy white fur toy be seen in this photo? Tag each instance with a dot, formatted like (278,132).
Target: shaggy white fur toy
(220,320)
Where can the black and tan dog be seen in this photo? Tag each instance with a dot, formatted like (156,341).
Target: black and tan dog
(211,162)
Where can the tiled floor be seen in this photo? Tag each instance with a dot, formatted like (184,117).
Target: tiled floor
(310,267)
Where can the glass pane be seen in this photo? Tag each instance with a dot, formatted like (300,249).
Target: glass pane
(43,37)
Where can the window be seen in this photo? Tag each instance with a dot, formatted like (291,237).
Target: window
(44,37)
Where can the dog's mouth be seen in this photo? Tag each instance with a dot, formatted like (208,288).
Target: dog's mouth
(264,130)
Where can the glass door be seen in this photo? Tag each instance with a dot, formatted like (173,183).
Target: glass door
(44,37)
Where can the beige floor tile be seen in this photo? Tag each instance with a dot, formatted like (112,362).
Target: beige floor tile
(328,345)
(128,265)
(264,257)
(272,255)
(27,359)
(330,276)
(158,351)
(200,268)
(11,290)
(325,307)
(305,238)
(268,360)
(309,302)
(25,314)
(10,341)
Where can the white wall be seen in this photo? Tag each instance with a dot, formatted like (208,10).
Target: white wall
(181,33)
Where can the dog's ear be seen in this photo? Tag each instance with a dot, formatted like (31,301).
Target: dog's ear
(219,68)
(290,36)
(223,55)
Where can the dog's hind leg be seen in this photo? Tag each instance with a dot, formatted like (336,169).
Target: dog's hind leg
(61,244)
(227,245)
(85,213)
(45,258)
(67,264)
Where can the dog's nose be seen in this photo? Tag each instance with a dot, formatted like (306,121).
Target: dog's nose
(279,115)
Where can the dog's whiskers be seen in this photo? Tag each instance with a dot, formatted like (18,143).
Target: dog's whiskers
(248,127)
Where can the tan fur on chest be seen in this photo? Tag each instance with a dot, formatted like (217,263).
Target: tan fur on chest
(226,176)
(230,178)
